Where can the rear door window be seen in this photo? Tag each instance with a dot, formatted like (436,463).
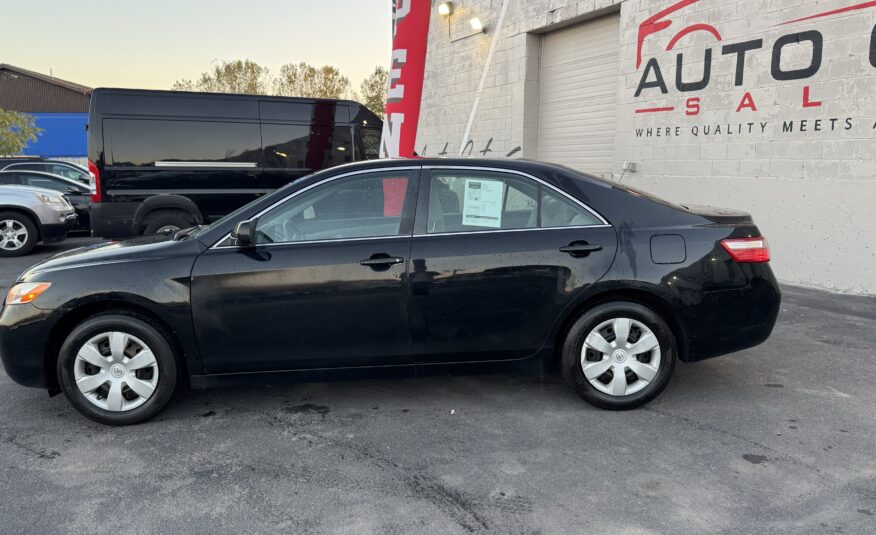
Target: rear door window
(9,178)
(463,201)
(164,143)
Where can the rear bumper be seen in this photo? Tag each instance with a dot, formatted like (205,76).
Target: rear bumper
(732,320)
(24,330)
(113,220)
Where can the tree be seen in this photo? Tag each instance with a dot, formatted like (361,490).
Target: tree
(373,91)
(305,80)
(240,76)
(16,130)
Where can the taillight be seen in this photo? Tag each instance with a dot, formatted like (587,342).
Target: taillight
(95,185)
(747,249)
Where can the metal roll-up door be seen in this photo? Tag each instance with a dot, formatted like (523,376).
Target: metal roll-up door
(579,81)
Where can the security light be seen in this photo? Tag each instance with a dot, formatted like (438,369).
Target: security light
(476,24)
(445,8)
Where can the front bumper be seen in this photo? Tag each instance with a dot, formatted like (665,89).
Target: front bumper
(24,331)
(55,232)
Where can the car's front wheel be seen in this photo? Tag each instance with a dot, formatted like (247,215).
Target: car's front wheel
(619,355)
(18,234)
(117,369)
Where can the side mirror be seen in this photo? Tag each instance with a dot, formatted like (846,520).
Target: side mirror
(244,233)
(73,191)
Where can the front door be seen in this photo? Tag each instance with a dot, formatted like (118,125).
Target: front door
(324,286)
(496,257)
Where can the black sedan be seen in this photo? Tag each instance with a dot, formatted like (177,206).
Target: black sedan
(402,267)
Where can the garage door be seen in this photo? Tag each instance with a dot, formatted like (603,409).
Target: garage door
(579,80)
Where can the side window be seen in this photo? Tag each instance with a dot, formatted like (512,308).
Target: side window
(66,172)
(290,146)
(558,211)
(9,178)
(462,201)
(353,207)
(143,142)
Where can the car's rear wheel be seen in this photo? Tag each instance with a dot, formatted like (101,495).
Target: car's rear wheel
(619,355)
(167,222)
(117,369)
(18,234)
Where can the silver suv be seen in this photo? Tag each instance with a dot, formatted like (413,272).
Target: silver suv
(29,215)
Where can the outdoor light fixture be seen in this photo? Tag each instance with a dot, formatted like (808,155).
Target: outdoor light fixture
(476,24)
(445,8)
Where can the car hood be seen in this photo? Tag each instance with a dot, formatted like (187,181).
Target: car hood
(28,189)
(143,249)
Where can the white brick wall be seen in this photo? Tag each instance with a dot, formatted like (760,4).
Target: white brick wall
(813,193)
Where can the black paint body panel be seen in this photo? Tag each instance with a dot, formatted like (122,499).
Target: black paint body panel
(474,300)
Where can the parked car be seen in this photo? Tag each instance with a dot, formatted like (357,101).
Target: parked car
(78,194)
(165,160)
(403,267)
(68,170)
(30,215)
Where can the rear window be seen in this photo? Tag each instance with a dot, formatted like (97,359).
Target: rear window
(135,142)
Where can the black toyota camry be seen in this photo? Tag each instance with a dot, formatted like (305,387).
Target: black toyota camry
(401,267)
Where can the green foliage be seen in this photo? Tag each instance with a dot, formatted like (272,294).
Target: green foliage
(305,80)
(373,91)
(240,76)
(16,130)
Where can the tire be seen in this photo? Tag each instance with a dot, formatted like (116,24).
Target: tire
(656,365)
(167,219)
(12,225)
(133,333)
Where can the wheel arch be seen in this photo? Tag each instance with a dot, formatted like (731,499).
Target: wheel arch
(27,212)
(643,295)
(79,312)
(166,201)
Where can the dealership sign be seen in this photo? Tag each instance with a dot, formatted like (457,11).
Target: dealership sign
(652,80)
(410,33)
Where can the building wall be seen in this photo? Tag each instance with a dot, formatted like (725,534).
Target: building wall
(23,93)
(800,155)
(63,136)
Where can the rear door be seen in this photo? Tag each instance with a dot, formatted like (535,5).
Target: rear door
(496,257)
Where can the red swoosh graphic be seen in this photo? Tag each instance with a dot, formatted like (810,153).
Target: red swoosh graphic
(694,28)
(835,12)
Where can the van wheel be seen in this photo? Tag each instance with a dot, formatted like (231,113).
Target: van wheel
(18,234)
(619,355)
(167,222)
(117,369)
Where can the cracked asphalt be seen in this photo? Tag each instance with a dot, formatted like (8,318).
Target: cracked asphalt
(776,439)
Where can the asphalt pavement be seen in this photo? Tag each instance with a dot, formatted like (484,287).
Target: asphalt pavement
(776,439)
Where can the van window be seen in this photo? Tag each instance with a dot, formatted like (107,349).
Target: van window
(370,143)
(290,146)
(134,142)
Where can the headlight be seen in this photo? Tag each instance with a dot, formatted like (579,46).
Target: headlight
(55,201)
(26,292)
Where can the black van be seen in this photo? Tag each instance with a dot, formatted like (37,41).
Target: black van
(164,160)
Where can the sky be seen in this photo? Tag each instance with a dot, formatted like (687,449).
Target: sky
(150,44)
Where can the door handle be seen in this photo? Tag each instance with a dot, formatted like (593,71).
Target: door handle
(381,260)
(580,248)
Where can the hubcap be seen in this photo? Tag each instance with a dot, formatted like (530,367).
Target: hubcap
(13,235)
(620,356)
(168,229)
(116,371)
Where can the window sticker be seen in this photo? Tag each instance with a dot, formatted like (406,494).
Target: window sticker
(482,203)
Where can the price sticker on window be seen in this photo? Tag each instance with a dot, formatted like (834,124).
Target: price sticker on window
(482,203)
